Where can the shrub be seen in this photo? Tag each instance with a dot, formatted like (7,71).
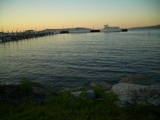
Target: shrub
(99,92)
(25,86)
(111,97)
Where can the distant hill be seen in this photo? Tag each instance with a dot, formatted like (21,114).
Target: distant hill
(147,27)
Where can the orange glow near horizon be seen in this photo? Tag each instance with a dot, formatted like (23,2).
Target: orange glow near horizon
(49,14)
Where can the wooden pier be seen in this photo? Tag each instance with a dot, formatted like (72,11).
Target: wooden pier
(7,37)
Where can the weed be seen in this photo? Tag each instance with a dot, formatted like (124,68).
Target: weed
(99,92)
(64,106)
(26,86)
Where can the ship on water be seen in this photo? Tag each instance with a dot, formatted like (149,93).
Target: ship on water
(108,28)
(79,30)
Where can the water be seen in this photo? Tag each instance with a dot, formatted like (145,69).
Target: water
(78,59)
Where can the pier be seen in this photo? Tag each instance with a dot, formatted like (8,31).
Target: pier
(95,31)
(6,37)
(16,36)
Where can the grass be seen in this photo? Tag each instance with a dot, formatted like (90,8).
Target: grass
(64,106)
(25,86)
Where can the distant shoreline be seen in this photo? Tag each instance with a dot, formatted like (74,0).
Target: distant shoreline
(147,27)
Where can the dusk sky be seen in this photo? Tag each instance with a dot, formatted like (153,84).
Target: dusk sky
(40,14)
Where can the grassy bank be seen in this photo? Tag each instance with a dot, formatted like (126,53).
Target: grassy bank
(64,106)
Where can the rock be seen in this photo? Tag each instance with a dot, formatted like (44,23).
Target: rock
(94,84)
(89,94)
(39,88)
(76,94)
(140,80)
(105,86)
(131,94)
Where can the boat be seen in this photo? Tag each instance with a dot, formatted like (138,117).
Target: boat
(79,30)
(56,32)
(108,28)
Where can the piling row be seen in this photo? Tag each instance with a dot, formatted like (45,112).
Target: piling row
(6,37)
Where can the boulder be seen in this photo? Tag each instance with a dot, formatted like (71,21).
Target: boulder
(132,94)
(76,94)
(140,80)
(94,84)
(89,94)
(39,88)
(105,86)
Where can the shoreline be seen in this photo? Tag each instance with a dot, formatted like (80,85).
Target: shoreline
(139,85)
(127,100)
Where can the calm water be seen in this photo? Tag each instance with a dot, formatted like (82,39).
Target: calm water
(78,59)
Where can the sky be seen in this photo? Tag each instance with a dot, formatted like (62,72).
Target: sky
(49,14)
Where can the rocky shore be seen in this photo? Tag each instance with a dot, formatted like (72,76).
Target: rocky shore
(137,90)
(132,90)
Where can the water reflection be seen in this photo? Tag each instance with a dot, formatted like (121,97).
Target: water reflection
(78,59)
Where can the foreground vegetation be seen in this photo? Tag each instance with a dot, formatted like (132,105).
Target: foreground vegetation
(64,106)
